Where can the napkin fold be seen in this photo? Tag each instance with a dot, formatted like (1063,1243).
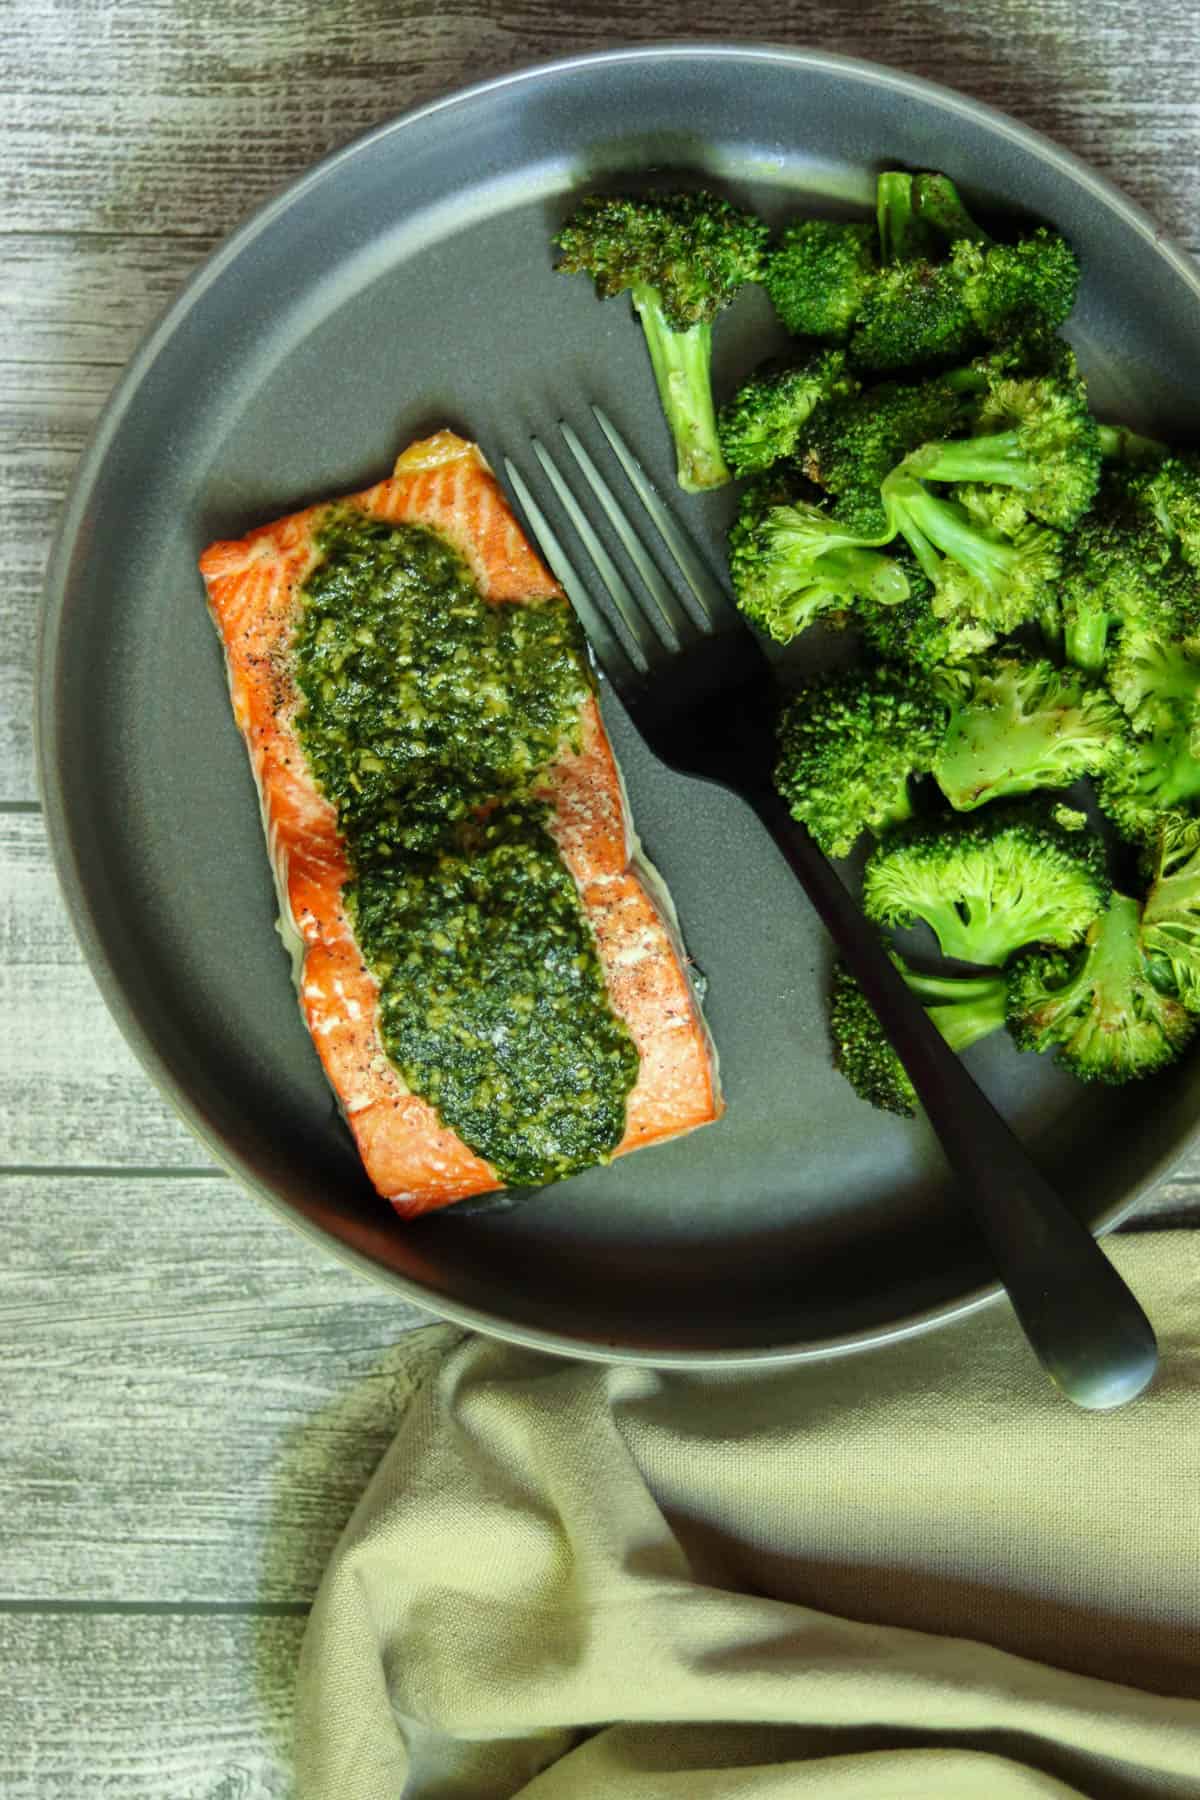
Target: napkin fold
(916,1573)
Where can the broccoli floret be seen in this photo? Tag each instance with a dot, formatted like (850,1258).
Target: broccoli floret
(998,508)
(932,287)
(862,1053)
(851,445)
(1023,724)
(988,887)
(946,285)
(1113,565)
(964,1009)
(762,424)
(976,571)
(1012,289)
(1158,655)
(1172,491)
(849,745)
(819,274)
(789,563)
(913,315)
(682,257)
(1154,771)
(1034,434)
(912,633)
(1171,914)
(1102,1011)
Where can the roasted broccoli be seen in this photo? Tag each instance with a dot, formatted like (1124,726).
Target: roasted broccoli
(863,452)
(1015,289)
(819,275)
(978,573)
(762,424)
(789,562)
(682,257)
(911,633)
(964,1008)
(926,287)
(849,745)
(1154,673)
(850,446)
(1018,723)
(1034,434)
(1107,1011)
(1171,914)
(1158,655)
(1172,491)
(1117,570)
(988,887)
(1154,771)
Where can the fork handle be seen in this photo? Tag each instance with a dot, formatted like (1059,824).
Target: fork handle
(1081,1320)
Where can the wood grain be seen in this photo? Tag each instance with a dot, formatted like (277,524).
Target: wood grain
(193,1396)
(71,314)
(180,115)
(71,1092)
(146,1707)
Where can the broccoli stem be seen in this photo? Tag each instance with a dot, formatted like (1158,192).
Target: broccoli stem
(996,457)
(903,237)
(939,203)
(926,522)
(963,1022)
(978,936)
(1104,976)
(682,363)
(954,988)
(1121,444)
(1085,637)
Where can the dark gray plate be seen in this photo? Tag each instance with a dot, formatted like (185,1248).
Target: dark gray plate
(407,283)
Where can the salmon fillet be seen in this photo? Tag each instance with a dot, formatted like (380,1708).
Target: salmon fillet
(254,590)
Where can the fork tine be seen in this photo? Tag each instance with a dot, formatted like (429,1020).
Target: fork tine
(708,592)
(678,622)
(621,671)
(619,591)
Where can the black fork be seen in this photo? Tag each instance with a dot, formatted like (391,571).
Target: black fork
(699,689)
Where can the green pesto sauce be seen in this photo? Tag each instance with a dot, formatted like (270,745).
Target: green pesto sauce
(427,717)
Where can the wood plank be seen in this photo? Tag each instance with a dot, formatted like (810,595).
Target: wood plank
(147,1708)
(71,315)
(167,117)
(71,1091)
(66,300)
(46,413)
(194,1397)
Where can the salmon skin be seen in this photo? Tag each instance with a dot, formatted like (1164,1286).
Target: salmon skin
(254,587)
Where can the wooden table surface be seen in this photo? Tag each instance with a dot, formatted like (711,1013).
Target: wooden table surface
(191,1398)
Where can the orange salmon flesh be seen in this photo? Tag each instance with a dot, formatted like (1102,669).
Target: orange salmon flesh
(254,589)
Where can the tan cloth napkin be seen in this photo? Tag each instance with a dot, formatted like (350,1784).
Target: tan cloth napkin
(912,1574)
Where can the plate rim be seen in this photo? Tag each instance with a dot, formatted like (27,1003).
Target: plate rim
(72,882)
